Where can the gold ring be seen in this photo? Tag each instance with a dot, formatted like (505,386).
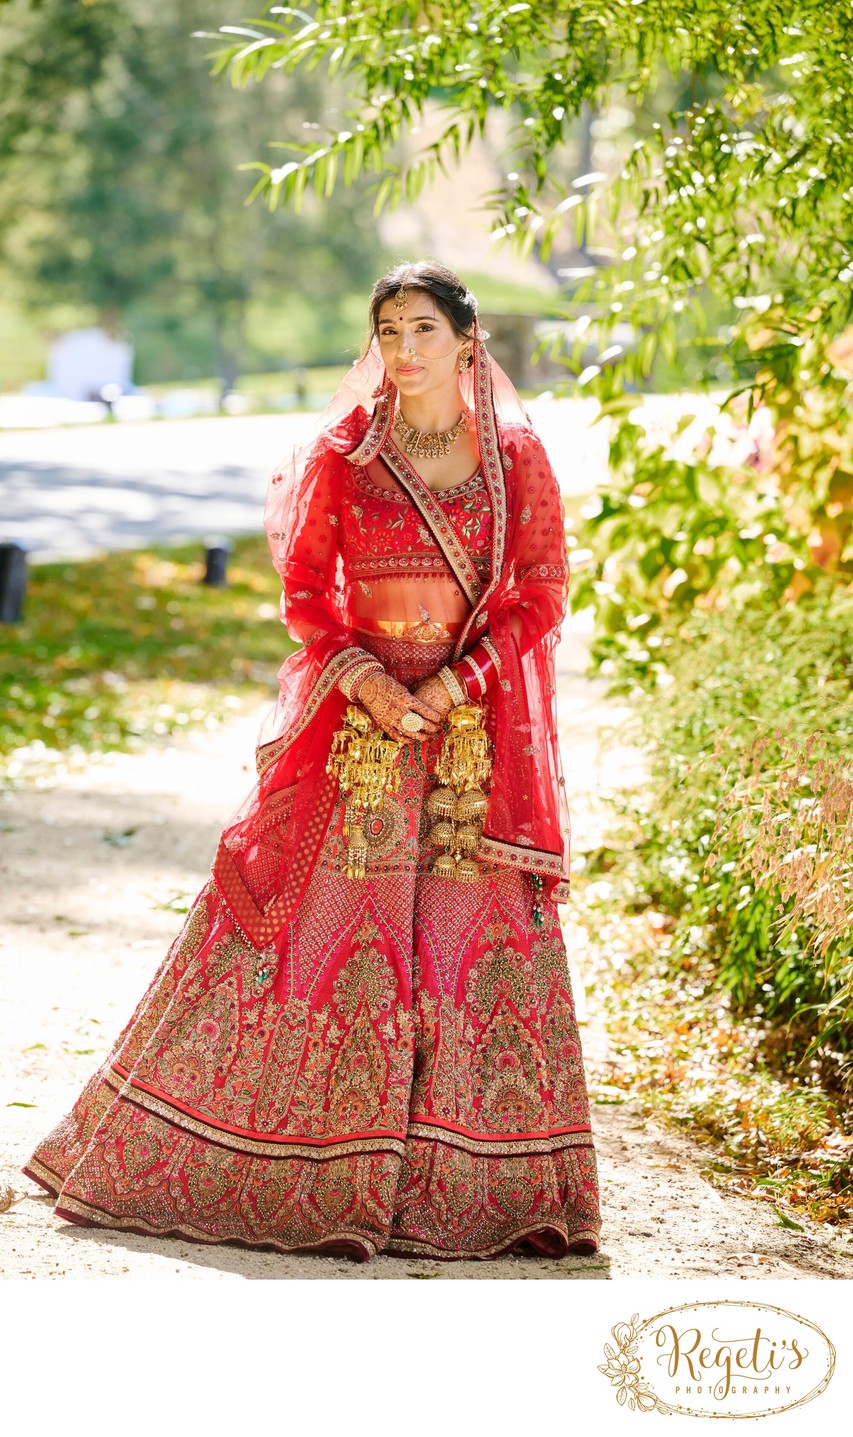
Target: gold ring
(411,723)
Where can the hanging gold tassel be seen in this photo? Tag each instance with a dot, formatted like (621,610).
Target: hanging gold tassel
(364,759)
(459,804)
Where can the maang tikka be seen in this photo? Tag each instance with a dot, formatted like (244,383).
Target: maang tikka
(401,298)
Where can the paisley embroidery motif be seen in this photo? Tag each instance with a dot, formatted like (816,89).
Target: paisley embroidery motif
(418,1087)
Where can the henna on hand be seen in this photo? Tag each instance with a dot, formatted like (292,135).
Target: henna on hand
(387,701)
(434,691)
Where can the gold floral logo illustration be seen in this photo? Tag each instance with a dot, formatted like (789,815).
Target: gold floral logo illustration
(718,1359)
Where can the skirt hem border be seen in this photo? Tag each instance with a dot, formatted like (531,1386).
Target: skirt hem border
(343,1244)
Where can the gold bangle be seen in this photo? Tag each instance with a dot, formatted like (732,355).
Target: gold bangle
(351,680)
(346,682)
(361,679)
(453,686)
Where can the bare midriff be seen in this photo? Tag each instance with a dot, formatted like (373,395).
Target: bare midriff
(425,610)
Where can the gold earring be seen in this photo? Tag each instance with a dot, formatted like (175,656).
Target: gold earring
(466,358)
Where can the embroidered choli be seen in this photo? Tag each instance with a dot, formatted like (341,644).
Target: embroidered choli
(398,584)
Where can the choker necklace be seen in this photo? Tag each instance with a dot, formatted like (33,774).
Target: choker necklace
(423,445)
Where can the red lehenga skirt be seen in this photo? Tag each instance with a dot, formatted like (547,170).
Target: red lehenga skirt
(415,1085)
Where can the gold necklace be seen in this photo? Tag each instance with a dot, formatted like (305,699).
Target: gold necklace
(423,445)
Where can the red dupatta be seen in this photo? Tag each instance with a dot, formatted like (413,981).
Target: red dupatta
(268,850)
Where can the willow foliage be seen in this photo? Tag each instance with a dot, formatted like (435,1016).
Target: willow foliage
(744,189)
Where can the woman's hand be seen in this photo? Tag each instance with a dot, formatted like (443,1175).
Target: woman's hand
(434,691)
(387,701)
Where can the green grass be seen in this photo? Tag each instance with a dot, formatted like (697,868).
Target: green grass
(132,646)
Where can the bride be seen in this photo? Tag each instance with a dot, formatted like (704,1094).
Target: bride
(364,1038)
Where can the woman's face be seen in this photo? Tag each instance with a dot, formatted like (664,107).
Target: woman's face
(418,344)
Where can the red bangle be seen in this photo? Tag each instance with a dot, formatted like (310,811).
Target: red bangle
(476,670)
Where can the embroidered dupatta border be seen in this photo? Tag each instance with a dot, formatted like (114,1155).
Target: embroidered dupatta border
(261,926)
(379,427)
(328,679)
(493,470)
(536,860)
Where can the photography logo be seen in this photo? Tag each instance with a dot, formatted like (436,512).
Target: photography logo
(718,1359)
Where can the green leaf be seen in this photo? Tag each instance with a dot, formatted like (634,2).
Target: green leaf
(786,1221)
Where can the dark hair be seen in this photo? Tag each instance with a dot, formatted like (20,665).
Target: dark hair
(455,301)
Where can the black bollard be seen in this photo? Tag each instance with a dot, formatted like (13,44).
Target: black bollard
(216,562)
(13,581)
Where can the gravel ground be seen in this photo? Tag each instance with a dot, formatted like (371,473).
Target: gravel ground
(89,864)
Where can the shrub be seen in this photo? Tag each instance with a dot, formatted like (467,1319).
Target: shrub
(742,833)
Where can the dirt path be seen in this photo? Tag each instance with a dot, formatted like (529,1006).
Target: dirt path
(85,861)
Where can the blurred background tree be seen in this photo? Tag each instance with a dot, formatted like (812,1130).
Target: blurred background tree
(715,239)
(122,201)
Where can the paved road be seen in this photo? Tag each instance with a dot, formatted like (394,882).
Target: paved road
(68,493)
(72,492)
